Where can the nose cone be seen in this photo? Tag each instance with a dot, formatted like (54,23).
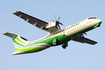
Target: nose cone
(99,21)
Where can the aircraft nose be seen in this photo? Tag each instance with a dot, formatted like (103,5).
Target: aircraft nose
(99,22)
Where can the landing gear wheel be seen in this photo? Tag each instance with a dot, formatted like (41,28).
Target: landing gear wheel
(65,45)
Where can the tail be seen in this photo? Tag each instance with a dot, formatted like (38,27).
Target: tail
(18,41)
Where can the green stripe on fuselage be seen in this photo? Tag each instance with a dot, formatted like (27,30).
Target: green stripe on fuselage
(30,49)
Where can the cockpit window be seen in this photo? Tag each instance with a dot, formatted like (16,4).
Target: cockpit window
(92,18)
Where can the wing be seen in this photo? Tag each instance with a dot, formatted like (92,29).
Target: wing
(34,21)
(84,40)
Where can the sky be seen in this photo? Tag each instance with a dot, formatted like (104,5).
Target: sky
(77,56)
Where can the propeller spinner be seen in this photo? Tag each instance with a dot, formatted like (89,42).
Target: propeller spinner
(57,23)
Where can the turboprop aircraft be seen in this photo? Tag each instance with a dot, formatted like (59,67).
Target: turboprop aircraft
(56,36)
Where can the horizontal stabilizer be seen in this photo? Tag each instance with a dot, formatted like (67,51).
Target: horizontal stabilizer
(13,35)
(10,34)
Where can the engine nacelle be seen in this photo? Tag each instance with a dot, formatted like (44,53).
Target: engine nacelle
(50,25)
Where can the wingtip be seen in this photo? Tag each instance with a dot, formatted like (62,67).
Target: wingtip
(4,33)
(95,43)
(15,12)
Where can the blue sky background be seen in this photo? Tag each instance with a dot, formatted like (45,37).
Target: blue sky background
(77,56)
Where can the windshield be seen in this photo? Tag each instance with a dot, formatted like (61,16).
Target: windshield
(92,18)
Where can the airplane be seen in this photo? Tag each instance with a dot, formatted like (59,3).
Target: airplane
(57,36)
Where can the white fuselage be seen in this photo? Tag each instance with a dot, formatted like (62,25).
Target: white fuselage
(71,29)
(81,26)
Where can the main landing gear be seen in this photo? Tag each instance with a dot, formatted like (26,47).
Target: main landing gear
(65,45)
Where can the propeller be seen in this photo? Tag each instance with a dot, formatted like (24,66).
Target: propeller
(85,33)
(82,35)
(57,22)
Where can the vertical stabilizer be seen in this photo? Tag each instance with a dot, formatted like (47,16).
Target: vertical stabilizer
(18,41)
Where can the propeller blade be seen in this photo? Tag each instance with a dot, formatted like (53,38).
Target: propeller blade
(55,18)
(81,35)
(57,22)
(59,27)
(61,23)
(85,33)
(58,18)
(52,20)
